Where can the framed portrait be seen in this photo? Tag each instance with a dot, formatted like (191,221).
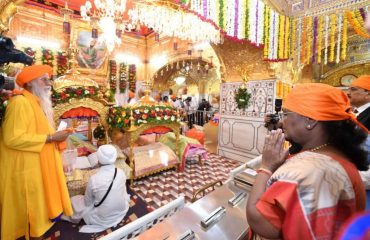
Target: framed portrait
(92,57)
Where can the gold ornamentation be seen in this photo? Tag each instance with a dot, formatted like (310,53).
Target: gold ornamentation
(85,102)
(333,77)
(132,134)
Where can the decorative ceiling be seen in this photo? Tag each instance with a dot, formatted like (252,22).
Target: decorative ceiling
(303,7)
(75,6)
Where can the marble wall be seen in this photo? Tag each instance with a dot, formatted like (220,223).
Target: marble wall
(242,132)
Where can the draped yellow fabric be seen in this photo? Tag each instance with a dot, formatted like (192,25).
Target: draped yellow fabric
(25,202)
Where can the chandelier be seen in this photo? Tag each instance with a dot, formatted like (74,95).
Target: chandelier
(108,15)
(171,22)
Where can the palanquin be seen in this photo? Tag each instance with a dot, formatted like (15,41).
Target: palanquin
(76,98)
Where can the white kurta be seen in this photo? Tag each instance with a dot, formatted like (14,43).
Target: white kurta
(114,207)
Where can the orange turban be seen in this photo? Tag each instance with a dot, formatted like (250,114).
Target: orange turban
(131,94)
(362,82)
(173,97)
(30,73)
(320,102)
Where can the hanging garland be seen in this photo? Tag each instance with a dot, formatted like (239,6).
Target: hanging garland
(287,38)
(357,22)
(319,39)
(99,132)
(62,63)
(47,57)
(326,39)
(113,76)
(293,37)
(281,37)
(339,38)
(266,40)
(309,40)
(343,53)
(333,28)
(304,41)
(122,77)
(132,77)
(242,97)
(314,44)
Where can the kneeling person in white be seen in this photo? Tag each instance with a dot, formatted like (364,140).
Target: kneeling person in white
(97,213)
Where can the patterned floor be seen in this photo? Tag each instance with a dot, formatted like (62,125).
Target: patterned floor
(155,191)
(160,189)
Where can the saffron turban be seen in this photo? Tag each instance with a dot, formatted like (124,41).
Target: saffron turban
(131,94)
(320,102)
(107,154)
(32,72)
(173,97)
(362,82)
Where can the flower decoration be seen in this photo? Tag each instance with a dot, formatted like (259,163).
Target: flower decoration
(119,117)
(62,63)
(47,57)
(30,52)
(122,77)
(132,77)
(242,97)
(112,75)
(71,92)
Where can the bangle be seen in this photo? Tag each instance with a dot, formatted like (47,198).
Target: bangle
(264,170)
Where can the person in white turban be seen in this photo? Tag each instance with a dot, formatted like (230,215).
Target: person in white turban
(101,210)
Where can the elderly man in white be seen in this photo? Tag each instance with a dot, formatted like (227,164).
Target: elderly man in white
(106,201)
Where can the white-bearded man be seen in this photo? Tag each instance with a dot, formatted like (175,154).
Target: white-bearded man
(33,191)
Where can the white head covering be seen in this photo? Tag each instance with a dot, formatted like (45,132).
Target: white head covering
(107,154)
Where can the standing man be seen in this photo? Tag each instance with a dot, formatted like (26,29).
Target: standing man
(359,95)
(33,190)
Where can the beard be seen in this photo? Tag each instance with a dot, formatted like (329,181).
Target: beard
(44,94)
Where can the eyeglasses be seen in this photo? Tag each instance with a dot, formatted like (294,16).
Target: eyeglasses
(283,114)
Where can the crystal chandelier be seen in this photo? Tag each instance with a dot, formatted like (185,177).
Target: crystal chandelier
(107,14)
(171,22)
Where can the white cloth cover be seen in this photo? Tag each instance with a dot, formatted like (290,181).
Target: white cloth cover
(111,211)
(107,154)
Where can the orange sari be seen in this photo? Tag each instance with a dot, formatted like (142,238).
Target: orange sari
(311,195)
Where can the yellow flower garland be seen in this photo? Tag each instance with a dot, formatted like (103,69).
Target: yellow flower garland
(343,54)
(267,32)
(304,39)
(357,23)
(333,22)
(281,37)
(287,37)
(319,38)
(293,32)
(309,40)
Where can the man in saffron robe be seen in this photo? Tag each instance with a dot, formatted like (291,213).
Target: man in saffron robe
(33,191)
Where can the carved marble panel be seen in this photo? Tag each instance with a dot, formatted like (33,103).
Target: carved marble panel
(242,132)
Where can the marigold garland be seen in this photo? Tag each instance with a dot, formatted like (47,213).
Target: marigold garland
(309,40)
(343,54)
(319,38)
(281,37)
(62,63)
(304,41)
(333,29)
(266,33)
(356,21)
(293,37)
(132,77)
(287,38)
